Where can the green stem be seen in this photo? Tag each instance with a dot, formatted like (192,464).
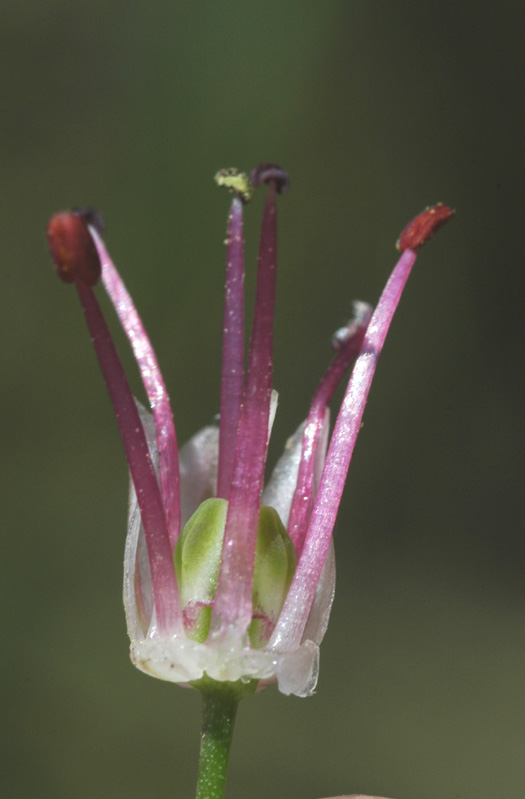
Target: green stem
(219,707)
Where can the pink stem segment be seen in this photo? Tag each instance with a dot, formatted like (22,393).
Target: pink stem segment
(294,615)
(141,468)
(232,377)
(153,384)
(349,343)
(233,600)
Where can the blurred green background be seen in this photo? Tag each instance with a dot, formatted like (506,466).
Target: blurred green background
(376,109)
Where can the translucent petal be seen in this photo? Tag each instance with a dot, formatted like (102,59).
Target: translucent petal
(138,592)
(279,491)
(280,488)
(322,604)
(320,452)
(298,671)
(274,401)
(181,660)
(135,624)
(198,470)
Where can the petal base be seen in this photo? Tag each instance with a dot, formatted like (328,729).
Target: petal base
(181,660)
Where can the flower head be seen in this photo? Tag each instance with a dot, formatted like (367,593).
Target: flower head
(225,578)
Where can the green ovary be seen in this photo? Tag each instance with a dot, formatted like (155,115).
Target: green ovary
(197,564)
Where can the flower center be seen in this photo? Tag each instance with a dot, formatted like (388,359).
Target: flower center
(197,563)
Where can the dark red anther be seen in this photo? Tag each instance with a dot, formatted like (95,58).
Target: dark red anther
(72,249)
(423,227)
(266,173)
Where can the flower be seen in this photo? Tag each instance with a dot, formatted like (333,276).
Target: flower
(225,579)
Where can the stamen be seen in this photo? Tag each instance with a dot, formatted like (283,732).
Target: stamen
(154,385)
(232,374)
(233,601)
(68,234)
(294,615)
(424,226)
(347,341)
(72,250)
(140,465)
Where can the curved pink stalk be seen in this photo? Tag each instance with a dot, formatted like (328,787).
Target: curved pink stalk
(292,621)
(233,600)
(349,343)
(153,384)
(232,376)
(141,468)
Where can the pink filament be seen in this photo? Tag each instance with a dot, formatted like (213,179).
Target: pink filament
(304,492)
(232,377)
(141,468)
(233,600)
(294,615)
(153,384)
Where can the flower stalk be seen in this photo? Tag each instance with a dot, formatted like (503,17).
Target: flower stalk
(219,708)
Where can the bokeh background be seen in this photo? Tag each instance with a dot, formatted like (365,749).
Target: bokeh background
(376,109)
